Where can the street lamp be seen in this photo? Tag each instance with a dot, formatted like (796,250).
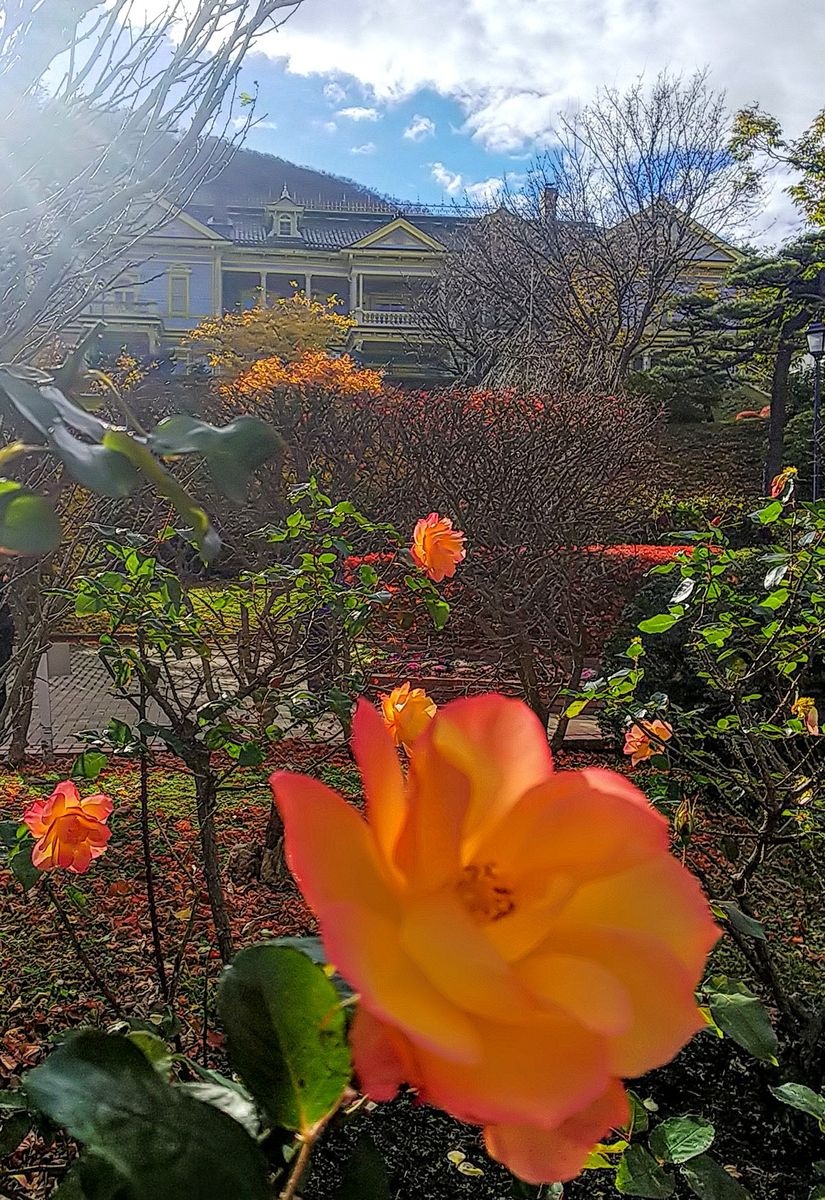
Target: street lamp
(815,333)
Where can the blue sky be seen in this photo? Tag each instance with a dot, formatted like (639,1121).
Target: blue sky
(491,76)
(414,148)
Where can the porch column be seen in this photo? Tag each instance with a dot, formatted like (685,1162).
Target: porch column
(263,289)
(353,292)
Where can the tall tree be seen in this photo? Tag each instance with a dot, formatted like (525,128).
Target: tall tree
(569,279)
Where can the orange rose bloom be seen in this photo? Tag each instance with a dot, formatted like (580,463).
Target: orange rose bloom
(641,744)
(780,481)
(806,710)
(521,940)
(407,713)
(437,547)
(70,832)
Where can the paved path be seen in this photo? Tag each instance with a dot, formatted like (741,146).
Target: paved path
(74,694)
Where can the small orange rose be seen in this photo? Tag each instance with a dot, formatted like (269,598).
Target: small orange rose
(407,713)
(521,939)
(641,743)
(437,548)
(70,831)
(805,709)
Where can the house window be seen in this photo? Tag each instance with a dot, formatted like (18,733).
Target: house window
(179,293)
(284,225)
(124,295)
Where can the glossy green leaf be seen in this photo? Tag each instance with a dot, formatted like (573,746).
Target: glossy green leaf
(681,1138)
(28,524)
(164,1143)
(88,765)
(639,1116)
(232,452)
(742,1016)
(21,865)
(796,1095)
(640,1175)
(708,1180)
(364,1176)
(286,1034)
(658,624)
(740,921)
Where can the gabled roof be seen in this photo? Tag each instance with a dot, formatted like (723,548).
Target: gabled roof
(399,234)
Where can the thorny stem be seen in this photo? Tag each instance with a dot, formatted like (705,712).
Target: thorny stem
(148,866)
(95,975)
(302,1158)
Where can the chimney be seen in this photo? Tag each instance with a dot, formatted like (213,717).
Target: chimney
(549,202)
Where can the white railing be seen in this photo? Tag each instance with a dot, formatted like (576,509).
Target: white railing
(375,316)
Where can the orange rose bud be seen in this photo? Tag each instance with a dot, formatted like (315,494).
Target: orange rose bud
(781,481)
(70,831)
(521,939)
(437,548)
(407,713)
(641,743)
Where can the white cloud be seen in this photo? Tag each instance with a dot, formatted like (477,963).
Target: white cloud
(325,126)
(419,128)
(334,93)
(367,148)
(512,66)
(450,180)
(240,122)
(359,114)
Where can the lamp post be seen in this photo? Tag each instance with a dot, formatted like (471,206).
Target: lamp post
(815,333)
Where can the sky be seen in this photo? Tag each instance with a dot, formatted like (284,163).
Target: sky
(434,99)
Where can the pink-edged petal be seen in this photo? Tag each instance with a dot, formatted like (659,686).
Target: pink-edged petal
(382,777)
(35,817)
(660,991)
(659,899)
(378,1054)
(539,1155)
(499,745)
(451,950)
(98,806)
(329,847)
(581,824)
(539,1072)
(68,792)
(364,946)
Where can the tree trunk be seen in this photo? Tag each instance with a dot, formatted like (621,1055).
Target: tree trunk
(205,803)
(273,863)
(528,677)
(779,395)
(560,732)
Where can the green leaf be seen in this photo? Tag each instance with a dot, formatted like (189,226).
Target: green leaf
(286,1034)
(100,468)
(775,599)
(768,514)
(775,575)
(154,1049)
(233,1101)
(12,1102)
(231,452)
(12,1132)
(88,765)
(576,707)
(681,1138)
(658,624)
(640,1175)
(709,1181)
(164,1143)
(683,591)
(817,1192)
(364,1176)
(205,536)
(742,1016)
(21,865)
(798,1096)
(28,524)
(739,920)
(639,1116)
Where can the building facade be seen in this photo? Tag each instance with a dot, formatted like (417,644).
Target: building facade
(374,257)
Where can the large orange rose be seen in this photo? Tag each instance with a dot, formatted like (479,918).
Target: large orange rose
(407,713)
(70,831)
(437,547)
(521,939)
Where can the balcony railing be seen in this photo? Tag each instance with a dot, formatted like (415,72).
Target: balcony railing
(385,319)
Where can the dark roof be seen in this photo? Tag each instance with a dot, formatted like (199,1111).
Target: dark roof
(321,228)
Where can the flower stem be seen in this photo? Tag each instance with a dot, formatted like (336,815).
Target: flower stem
(95,975)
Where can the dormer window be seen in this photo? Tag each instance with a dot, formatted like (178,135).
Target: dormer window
(285,225)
